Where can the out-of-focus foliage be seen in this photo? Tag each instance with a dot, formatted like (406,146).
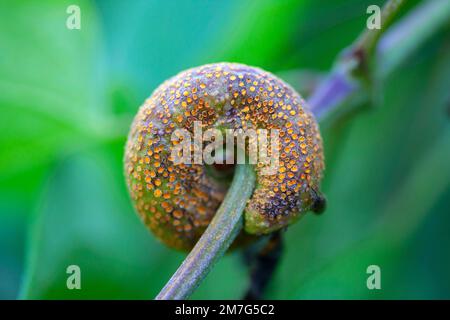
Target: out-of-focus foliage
(68,96)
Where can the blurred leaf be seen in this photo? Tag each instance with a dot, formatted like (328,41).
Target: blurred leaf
(48,86)
(150,41)
(12,238)
(49,79)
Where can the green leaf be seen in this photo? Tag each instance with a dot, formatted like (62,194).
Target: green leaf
(50,82)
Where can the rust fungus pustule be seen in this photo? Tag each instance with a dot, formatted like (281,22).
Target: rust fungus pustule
(177,201)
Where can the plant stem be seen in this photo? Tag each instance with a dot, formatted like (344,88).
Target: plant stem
(342,85)
(410,33)
(352,66)
(369,37)
(223,229)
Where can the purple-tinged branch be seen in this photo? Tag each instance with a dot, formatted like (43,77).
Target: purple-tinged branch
(346,81)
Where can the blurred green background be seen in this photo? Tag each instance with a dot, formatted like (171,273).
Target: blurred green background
(67,98)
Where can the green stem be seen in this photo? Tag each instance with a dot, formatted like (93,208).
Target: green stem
(369,38)
(352,66)
(344,84)
(223,229)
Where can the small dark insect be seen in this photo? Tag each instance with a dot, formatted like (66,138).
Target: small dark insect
(319,203)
